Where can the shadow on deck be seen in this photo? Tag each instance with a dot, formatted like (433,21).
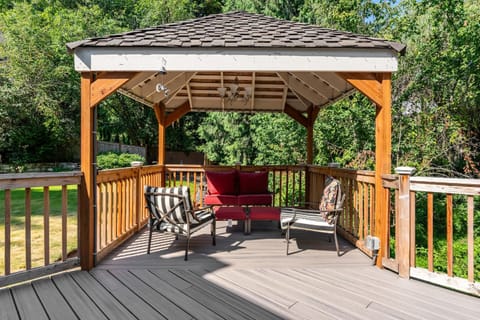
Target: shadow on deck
(243,277)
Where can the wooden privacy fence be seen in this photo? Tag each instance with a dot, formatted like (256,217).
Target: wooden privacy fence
(39,224)
(446,205)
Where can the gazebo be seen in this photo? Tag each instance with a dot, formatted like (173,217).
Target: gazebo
(235,61)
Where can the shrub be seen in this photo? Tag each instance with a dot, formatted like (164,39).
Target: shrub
(110,160)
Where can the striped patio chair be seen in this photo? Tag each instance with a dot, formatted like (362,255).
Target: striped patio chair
(323,220)
(171,211)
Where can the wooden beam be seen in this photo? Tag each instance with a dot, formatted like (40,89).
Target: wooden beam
(177,113)
(159,109)
(87,186)
(106,84)
(297,116)
(366,83)
(312,116)
(383,163)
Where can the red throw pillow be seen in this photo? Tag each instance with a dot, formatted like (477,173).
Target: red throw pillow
(253,182)
(221,182)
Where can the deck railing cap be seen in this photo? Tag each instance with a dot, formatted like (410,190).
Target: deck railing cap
(405,170)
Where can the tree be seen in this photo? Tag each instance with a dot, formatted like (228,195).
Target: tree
(39,90)
(437,95)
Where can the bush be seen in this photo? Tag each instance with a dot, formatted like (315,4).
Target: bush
(110,160)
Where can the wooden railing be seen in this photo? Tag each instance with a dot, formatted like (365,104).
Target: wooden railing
(358,218)
(440,202)
(121,205)
(39,224)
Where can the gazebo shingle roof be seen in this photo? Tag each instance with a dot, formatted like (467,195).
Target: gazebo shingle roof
(235,30)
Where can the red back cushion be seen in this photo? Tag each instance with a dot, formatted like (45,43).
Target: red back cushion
(221,182)
(253,182)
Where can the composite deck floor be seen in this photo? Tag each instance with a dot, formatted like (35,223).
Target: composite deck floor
(243,277)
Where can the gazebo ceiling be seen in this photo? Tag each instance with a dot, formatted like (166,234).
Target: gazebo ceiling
(278,65)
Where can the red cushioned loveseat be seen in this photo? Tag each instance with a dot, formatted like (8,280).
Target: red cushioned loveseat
(237,188)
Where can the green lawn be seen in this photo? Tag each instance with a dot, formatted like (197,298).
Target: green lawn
(17,259)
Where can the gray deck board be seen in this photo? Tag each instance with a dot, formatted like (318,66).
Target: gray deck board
(103,298)
(52,300)
(7,309)
(243,277)
(28,305)
(194,308)
(80,302)
(164,307)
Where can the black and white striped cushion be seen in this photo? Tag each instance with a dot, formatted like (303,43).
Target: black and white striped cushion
(179,206)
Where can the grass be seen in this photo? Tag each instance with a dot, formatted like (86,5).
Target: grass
(17,239)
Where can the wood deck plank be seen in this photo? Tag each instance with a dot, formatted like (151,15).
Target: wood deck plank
(7,309)
(135,305)
(195,309)
(243,277)
(27,302)
(353,302)
(162,305)
(53,301)
(80,302)
(224,305)
(252,310)
(442,299)
(411,308)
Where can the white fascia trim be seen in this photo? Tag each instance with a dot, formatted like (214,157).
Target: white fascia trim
(236,59)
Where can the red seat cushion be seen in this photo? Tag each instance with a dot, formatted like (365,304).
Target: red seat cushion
(255,199)
(222,182)
(234,213)
(220,199)
(264,213)
(253,182)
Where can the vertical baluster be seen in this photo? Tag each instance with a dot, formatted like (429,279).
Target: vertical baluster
(101,223)
(360,210)
(430,230)
(395,221)
(365,210)
(28,228)
(64,222)
(371,213)
(387,224)
(470,242)
(413,246)
(8,211)
(449,235)
(46,225)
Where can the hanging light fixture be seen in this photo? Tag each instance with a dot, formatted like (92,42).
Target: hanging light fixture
(161,87)
(232,92)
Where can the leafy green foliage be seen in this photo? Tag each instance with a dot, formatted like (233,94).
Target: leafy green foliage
(110,160)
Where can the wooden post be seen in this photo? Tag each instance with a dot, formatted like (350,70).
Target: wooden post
(383,162)
(312,116)
(87,188)
(160,114)
(403,236)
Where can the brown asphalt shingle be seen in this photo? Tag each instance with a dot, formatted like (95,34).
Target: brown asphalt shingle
(238,29)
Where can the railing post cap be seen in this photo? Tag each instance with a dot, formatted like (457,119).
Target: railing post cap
(405,170)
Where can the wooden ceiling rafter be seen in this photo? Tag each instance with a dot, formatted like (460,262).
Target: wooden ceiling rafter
(138,80)
(315,84)
(284,77)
